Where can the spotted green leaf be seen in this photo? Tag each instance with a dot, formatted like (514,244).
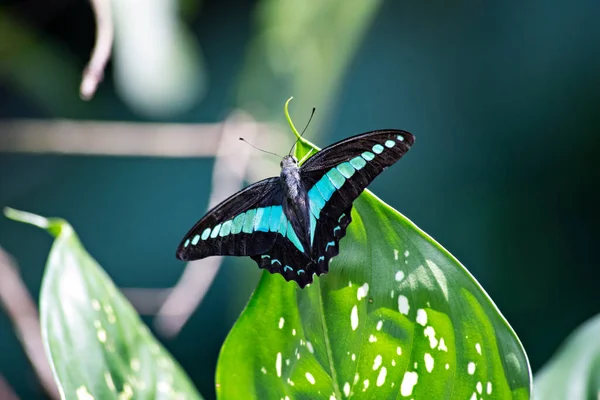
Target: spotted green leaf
(574,372)
(96,343)
(397,316)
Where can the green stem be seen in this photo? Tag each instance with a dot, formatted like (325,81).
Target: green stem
(289,119)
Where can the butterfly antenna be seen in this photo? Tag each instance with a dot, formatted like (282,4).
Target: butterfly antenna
(303,130)
(258,148)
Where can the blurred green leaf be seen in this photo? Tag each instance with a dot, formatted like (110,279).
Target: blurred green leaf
(574,372)
(95,341)
(396,316)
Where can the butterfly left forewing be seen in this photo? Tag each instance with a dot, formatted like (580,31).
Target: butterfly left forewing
(245,224)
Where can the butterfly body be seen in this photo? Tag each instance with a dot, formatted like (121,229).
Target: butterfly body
(292,224)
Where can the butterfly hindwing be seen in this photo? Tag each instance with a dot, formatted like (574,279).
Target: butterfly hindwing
(286,259)
(246,224)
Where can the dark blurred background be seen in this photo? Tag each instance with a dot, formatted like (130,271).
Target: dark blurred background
(502,97)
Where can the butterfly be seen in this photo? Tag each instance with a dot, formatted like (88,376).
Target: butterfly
(292,224)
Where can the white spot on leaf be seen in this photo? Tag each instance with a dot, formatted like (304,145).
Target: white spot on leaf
(406,253)
(365,384)
(135,364)
(421,317)
(399,276)
(310,347)
(381,376)
(353,357)
(347,389)
(263,370)
(377,362)
(478,348)
(278,364)
(442,346)
(430,333)
(489,388)
(479,387)
(362,291)
(101,335)
(281,322)
(408,383)
(471,368)
(372,339)
(109,381)
(395,254)
(379,325)
(293,332)
(354,318)
(398,351)
(428,362)
(310,378)
(83,394)
(403,306)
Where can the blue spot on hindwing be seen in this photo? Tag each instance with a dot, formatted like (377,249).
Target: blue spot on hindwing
(300,271)
(291,235)
(313,228)
(329,244)
(341,216)
(286,268)
(265,256)
(322,258)
(282,225)
(273,261)
(400,138)
(377,148)
(389,143)
(337,228)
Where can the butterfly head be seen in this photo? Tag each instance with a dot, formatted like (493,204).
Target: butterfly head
(289,161)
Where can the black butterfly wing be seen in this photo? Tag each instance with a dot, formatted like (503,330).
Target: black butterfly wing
(245,224)
(337,175)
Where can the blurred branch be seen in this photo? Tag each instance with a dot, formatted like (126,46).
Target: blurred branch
(228,177)
(116,138)
(21,309)
(146,301)
(6,392)
(94,71)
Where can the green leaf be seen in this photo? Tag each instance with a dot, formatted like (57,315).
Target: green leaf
(396,316)
(574,372)
(96,343)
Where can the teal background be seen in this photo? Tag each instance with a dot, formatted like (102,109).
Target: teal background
(503,101)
